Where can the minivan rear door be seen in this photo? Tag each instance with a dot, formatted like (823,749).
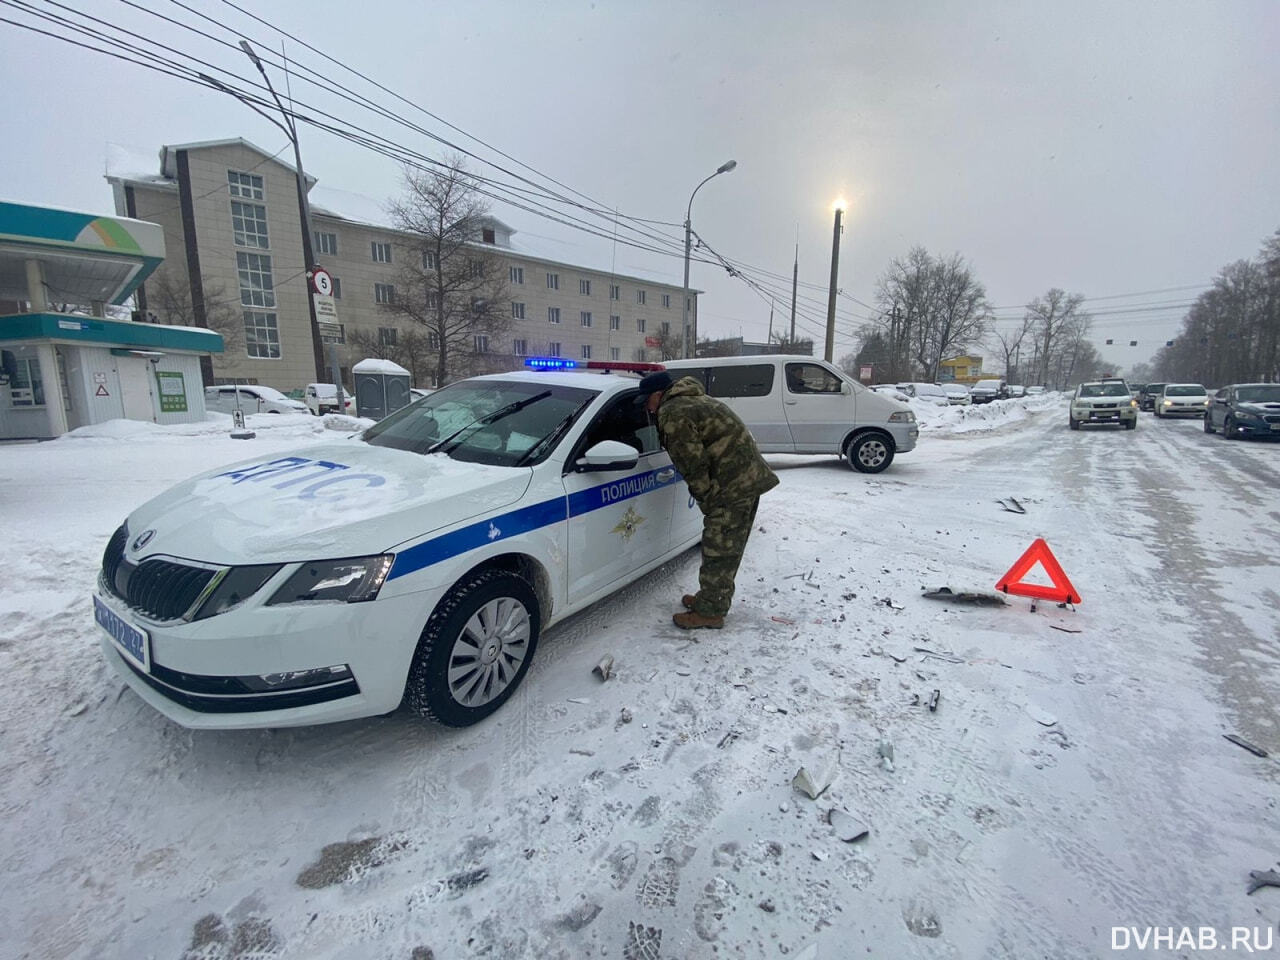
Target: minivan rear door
(751,392)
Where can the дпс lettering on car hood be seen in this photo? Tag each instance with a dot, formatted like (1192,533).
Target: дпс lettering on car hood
(340,499)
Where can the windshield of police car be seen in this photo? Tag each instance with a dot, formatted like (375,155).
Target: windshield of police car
(505,423)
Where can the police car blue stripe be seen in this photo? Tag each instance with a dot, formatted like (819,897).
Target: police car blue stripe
(524,520)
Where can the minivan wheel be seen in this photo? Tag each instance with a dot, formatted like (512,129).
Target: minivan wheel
(475,649)
(869,452)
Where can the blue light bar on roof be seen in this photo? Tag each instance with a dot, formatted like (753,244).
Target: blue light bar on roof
(550,363)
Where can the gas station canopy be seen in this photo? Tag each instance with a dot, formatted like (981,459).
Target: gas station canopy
(85,258)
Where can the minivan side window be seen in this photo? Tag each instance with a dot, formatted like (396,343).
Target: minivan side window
(754,380)
(811,378)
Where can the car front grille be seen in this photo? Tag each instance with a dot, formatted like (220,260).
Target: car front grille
(160,589)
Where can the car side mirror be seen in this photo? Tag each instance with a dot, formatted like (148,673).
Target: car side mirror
(845,388)
(607,455)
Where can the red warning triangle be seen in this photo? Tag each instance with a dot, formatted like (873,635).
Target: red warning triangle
(1062,591)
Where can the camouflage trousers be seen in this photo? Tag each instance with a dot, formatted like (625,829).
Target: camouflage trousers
(725,529)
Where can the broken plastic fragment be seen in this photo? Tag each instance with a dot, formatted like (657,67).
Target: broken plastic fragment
(1263,878)
(1256,751)
(604,669)
(971,597)
(845,826)
(1040,716)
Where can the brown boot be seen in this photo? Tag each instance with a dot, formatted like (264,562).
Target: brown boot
(696,621)
(688,600)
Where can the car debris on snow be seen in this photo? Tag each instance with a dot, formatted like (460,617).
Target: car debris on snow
(813,787)
(1042,717)
(604,669)
(1263,878)
(932,702)
(1065,629)
(1011,505)
(845,826)
(885,752)
(1239,742)
(969,597)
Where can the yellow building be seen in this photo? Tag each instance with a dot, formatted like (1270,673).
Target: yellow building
(965,369)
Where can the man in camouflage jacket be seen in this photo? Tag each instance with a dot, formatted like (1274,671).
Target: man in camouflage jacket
(714,451)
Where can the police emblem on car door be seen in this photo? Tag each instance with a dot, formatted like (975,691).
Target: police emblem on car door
(619,520)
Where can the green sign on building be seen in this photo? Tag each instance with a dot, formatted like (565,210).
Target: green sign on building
(173,391)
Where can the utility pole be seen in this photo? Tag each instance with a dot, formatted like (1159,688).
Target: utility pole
(831,292)
(795,277)
(770,340)
(304,211)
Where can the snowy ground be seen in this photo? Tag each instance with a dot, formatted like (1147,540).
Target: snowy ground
(1068,783)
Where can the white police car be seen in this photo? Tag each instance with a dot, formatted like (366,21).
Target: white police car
(418,561)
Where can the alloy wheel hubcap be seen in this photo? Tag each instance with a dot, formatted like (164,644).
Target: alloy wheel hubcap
(489,651)
(871,454)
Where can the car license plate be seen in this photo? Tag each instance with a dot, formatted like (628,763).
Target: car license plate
(128,639)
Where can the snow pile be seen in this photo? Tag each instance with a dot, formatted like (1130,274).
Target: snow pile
(983,417)
(301,427)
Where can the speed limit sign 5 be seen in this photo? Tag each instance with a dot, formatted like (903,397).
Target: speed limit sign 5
(321,282)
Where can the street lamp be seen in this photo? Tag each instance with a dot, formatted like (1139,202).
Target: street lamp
(688,347)
(304,207)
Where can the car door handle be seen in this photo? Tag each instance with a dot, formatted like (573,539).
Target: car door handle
(665,475)
(790,403)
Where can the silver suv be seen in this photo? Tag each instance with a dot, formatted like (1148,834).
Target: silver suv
(1103,401)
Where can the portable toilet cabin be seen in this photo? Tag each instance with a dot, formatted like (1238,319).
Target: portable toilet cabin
(382,387)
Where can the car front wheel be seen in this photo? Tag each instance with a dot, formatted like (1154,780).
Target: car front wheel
(475,649)
(869,452)
(1208,423)
(1131,424)
(1229,428)
(1072,422)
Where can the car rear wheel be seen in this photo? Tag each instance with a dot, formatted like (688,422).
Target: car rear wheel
(475,649)
(869,452)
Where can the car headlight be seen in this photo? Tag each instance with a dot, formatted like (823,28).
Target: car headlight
(1133,403)
(353,580)
(1244,415)
(232,586)
(902,416)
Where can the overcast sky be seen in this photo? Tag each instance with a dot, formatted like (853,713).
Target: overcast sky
(1105,148)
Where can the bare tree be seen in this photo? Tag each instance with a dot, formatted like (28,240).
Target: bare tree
(169,299)
(931,308)
(800,346)
(1057,326)
(448,283)
(1009,344)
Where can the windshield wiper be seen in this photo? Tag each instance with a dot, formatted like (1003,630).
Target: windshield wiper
(488,418)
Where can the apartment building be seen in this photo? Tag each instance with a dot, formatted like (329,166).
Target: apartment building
(229,210)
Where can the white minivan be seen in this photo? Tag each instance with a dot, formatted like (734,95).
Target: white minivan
(797,404)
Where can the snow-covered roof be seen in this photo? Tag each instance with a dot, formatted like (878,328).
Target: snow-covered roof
(374,365)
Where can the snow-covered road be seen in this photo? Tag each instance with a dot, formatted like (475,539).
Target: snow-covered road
(1071,781)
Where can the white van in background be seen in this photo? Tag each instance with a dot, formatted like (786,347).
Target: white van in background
(795,404)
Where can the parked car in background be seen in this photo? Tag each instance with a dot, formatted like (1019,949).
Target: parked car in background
(1181,400)
(984,391)
(1147,395)
(957,394)
(891,390)
(251,398)
(1102,401)
(1242,410)
(1035,391)
(927,392)
(1017,390)
(322,398)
